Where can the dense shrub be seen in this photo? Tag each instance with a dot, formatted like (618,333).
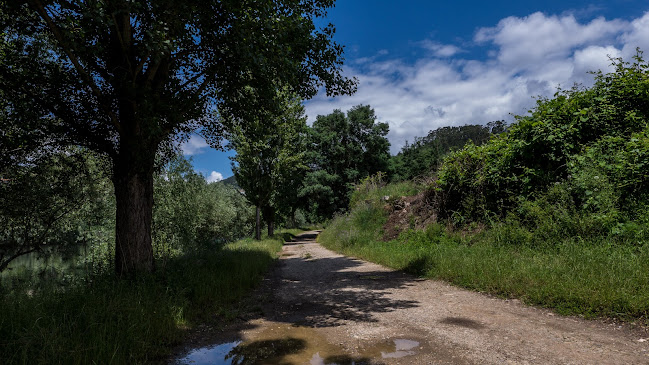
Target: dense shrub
(577,137)
(189,213)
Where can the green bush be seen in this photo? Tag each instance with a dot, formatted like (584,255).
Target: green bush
(602,128)
(189,213)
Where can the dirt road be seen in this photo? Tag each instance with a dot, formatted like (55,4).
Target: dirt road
(324,308)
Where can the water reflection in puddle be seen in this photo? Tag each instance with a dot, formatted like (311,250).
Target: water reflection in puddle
(402,348)
(213,355)
(297,345)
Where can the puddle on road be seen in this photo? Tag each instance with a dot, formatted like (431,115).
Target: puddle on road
(287,344)
(403,348)
(212,355)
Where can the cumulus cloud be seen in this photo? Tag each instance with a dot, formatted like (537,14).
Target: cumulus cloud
(523,42)
(214,177)
(525,57)
(441,50)
(636,36)
(194,146)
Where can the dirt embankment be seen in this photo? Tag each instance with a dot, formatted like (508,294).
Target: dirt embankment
(408,212)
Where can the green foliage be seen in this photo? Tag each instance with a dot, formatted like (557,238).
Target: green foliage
(614,171)
(343,150)
(190,214)
(53,206)
(577,137)
(64,207)
(423,156)
(374,188)
(269,164)
(130,79)
(362,225)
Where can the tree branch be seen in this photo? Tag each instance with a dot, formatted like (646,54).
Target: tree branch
(207,80)
(140,66)
(73,58)
(3,265)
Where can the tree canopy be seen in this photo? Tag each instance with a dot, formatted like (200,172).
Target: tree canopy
(129,79)
(269,164)
(425,154)
(343,149)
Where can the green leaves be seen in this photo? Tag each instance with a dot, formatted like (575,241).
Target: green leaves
(343,150)
(270,160)
(190,214)
(576,136)
(53,205)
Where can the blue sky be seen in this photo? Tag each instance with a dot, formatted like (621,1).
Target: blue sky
(427,64)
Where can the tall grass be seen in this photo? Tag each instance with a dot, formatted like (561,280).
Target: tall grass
(591,276)
(107,321)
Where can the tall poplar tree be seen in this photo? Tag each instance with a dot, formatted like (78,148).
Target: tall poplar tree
(269,164)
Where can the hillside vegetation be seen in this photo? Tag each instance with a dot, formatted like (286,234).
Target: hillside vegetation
(553,211)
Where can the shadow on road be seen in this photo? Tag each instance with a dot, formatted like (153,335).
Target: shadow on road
(325,292)
(304,292)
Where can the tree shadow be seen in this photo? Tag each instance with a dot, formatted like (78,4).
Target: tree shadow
(286,236)
(348,360)
(327,292)
(463,322)
(317,292)
(304,238)
(419,266)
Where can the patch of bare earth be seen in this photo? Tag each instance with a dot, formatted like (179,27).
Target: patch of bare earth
(408,212)
(320,307)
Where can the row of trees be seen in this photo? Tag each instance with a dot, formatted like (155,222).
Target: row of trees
(283,165)
(65,204)
(424,155)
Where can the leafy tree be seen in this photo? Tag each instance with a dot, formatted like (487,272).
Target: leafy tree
(190,214)
(425,153)
(51,206)
(290,167)
(269,160)
(343,150)
(128,79)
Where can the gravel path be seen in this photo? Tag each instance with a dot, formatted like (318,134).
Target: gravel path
(342,310)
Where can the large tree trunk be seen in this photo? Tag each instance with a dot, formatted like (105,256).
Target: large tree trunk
(268,213)
(293,221)
(258,225)
(133,181)
(271,228)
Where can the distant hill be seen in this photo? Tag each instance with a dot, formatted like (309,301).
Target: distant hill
(230,181)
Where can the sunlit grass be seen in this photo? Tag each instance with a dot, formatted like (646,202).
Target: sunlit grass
(589,277)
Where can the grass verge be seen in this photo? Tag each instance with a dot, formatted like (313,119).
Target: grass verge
(592,278)
(108,321)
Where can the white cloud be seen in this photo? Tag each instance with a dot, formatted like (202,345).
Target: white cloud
(194,146)
(441,50)
(525,57)
(523,42)
(637,36)
(214,177)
